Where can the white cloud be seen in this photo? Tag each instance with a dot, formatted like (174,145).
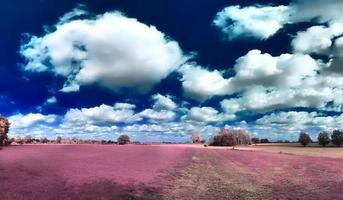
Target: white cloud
(101,115)
(124,106)
(20,121)
(161,115)
(109,50)
(51,100)
(207,114)
(253,69)
(201,84)
(253,21)
(316,39)
(263,21)
(163,102)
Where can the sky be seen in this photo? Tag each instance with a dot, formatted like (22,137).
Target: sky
(164,70)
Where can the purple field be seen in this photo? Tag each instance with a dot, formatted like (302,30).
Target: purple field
(43,172)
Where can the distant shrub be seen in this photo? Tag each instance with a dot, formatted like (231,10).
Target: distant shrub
(255,140)
(337,137)
(44,140)
(196,139)
(323,138)
(304,139)
(264,140)
(28,139)
(123,139)
(4,127)
(58,139)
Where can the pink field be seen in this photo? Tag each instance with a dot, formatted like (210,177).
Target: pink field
(44,172)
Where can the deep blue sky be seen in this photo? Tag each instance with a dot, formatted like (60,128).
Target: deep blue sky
(189,23)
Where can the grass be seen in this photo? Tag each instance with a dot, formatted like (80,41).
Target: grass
(296,149)
(208,178)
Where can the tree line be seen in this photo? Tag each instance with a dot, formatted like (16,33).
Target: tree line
(323,138)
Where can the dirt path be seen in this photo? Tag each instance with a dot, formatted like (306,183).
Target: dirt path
(229,174)
(209,176)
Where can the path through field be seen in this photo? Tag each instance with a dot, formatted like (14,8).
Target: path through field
(44,172)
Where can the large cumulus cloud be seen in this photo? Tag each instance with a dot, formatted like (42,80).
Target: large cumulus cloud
(109,50)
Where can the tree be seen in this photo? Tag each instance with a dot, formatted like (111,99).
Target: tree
(4,127)
(216,140)
(304,139)
(264,140)
(58,139)
(44,140)
(18,139)
(123,139)
(337,137)
(196,138)
(323,138)
(27,139)
(227,138)
(255,140)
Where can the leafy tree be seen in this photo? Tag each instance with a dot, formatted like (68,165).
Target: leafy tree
(216,140)
(337,137)
(4,127)
(18,139)
(123,139)
(323,138)
(58,139)
(264,140)
(304,139)
(255,140)
(44,140)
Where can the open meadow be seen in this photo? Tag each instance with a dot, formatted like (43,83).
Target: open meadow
(54,172)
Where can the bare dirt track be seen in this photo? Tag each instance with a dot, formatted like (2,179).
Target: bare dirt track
(44,172)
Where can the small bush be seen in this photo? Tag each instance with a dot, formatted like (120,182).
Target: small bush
(123,139)
(337,137)
(304,139)
(323,139)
